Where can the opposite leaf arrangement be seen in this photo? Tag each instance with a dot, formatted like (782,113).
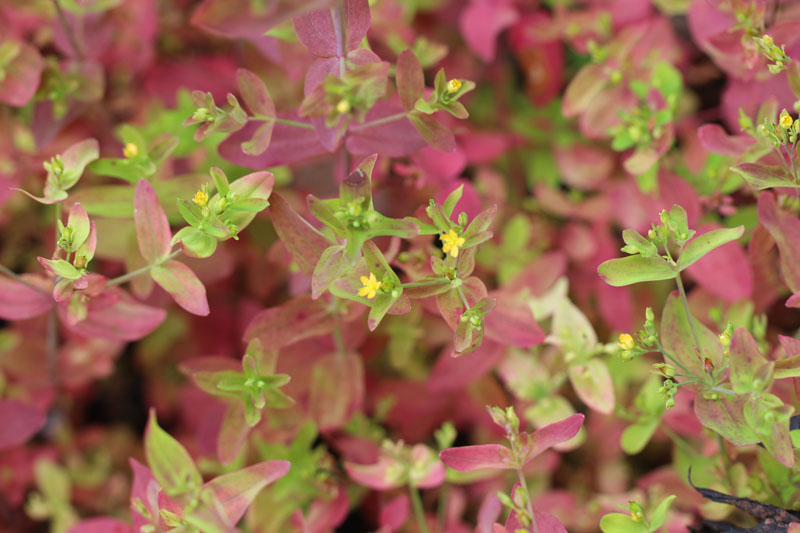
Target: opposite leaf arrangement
(347,282)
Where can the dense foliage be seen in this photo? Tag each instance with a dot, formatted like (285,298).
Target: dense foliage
(430,266)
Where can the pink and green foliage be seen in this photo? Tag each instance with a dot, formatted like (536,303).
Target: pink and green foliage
(344,248)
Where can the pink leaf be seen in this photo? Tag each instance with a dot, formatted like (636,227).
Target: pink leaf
(334,32)
(323,515)
(394,514)
(398,138)
(511,323)
(337,390)
(116,316)
(237,490)
(295,320)
(785,229)
(152,227)
(233,433)
(482,456)
(715,139)
(242,19)
(303,241)
(182,284)
(20,421)
(455,373)
(535,443)
(410,79)
(482,22)
(18,301)
(288,144)
(22,74)
(725,272)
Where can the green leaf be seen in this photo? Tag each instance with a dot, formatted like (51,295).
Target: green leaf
(171,464)
(678,340)
(635,269)
(125,169)
(660,514)
(761,177)
(220,181)
(621,523)
(61,268)
(700,246)
(452,200)
(637,244)
(636,436)
(724,414)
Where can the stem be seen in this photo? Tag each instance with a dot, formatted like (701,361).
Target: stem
(51,341)
(444,494)
(419,512)
(688,315)
(62,19)
(276,120)
(668,356)
(130,275)
(377,122)
(463,298)
(422,283)
(524,487)
(16,277)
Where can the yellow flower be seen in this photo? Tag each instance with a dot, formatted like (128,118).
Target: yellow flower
(626,342)
(370,288)
(767,40)
(451,242)
(453,86)
(786,121)
(200,198)
(343,107)
(130,150)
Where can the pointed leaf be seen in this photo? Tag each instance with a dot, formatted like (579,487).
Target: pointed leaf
(182,284)
(635,269)
(152,227)
(702,244)
(171,464)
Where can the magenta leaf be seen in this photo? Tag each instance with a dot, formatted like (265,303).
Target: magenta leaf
(337,389)
(482,22)
(182,284)
(19,301)
(152,227)
(535,443)
(336,31)
(304,242)
(114,315)
(20,421)
(240,19)
(714,139)
(297,319)
(21,74)
(479,457)
(785,229)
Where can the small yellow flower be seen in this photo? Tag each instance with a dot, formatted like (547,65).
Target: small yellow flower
(451,242)
(200,198)
(626,342)
(786,121)
(130,150)
(370,288)
(453,86)
(343,107)
(767,40)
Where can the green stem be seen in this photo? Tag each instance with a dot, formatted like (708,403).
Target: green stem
(16,277)
(688,315)
(463,298)
(378,122)
(276,120)
(444,494)
(419,511)
(523,485)
(139,271)
(668,356)
(423,283)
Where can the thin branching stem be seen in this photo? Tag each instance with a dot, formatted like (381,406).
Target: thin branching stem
(419,511)
(139,271)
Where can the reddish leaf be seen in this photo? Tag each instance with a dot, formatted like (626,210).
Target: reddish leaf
(482,22)
(237,490)
(18,301)
(320,30)
(152,227)
(397,138)
(290,322)
(337,389)
(21,75)
(535,443)
(785,229)
(243,19)
(116,316)
(182,284)
(433,132)
(303,241)
(410,79)
(511,323)
(455,373)
(479,457)
(715,139)
(20,421)
(323,515)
